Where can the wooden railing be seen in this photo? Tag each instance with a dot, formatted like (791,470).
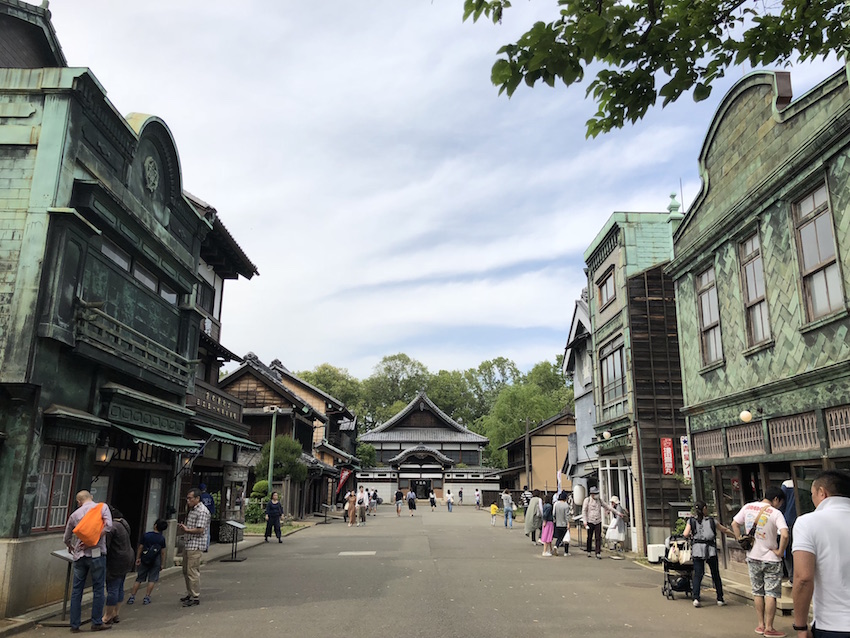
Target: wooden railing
(97,328)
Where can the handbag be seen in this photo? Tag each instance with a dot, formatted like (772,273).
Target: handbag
(685,557)
(673,553)
(345,507)
(748,540)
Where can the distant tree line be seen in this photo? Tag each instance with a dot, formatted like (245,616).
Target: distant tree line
(494,399)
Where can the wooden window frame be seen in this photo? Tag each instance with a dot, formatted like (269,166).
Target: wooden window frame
(50,504)
(807,274)
(602,285)
(610,351)
(706,330)
(751,306)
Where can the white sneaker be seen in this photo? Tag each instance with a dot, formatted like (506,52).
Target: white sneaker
(547,553)
(720,603)
(697,603)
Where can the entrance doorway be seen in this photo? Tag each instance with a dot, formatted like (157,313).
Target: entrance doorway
(129,488)
(422,487)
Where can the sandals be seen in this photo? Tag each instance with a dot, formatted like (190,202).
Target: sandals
(131,600)
(146,600)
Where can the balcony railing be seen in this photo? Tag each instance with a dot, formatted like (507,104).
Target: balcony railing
(95,327)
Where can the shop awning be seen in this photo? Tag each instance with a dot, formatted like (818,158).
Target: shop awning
(224,437)
(157,439)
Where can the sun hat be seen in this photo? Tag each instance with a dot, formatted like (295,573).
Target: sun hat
(615,500)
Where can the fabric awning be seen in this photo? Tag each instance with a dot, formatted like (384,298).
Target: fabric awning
(224,437)
(157,439)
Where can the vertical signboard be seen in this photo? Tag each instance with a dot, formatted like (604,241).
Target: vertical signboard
(668,463)
(686,458)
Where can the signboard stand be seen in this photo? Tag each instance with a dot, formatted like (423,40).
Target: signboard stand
(235,533)
(65,555)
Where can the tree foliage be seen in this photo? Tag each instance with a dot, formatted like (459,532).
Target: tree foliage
(287,460)
(643,50)
(337,382)
(396,381)
(367,454)
(451,392)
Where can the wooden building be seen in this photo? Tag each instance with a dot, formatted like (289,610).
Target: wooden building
(762,272)
(636,372)
(422,449)
(537,459)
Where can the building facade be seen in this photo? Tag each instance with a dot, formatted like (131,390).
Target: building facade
(637,378)
(545,448)
(762,270)
(581,463)
(422,449)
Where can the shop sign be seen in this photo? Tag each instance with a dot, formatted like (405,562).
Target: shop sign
(208,400)
(668,464)
(686,458)
(235,474)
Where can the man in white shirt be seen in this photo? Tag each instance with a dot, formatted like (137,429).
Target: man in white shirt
(822,559)
(764,560)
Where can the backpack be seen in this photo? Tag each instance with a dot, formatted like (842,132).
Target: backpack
(90,527)
(150,554)
(693,522)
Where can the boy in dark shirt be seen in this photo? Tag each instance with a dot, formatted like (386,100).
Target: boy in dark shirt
(150,557)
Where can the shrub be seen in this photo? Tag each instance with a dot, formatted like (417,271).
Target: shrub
(255,512)
(260,489)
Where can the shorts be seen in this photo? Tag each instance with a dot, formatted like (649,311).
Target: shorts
(398,504)
(115,590)
(765,577)
(148,573)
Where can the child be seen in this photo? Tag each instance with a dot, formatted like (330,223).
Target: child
(494,511)
(150,557)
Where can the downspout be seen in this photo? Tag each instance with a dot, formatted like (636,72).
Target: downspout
(642,488)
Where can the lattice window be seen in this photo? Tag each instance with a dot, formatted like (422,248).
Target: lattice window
(838,426)
(745,440)
(708,445)
(792,433)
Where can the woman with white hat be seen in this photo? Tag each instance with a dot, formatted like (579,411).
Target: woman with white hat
(616,534)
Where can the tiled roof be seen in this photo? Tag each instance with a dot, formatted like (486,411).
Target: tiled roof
(453,431)
(423,435)
(421,449)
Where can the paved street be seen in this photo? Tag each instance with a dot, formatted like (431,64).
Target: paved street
(436,574)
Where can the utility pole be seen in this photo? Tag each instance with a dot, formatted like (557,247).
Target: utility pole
(274,410)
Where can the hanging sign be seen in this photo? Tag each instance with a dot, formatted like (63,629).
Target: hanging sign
(686,457)
(668,464)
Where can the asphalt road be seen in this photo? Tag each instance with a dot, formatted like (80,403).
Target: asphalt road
(432,575)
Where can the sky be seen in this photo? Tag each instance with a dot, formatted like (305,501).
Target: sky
(390,198)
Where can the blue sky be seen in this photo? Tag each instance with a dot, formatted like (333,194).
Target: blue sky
(391,199)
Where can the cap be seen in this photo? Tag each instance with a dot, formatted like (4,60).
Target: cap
(594,490)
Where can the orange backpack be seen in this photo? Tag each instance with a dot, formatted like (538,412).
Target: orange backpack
(90,527)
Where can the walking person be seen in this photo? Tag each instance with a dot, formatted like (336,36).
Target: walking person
(702,528)
(120,559)
(362,504)
(351,503)
(561,511)
(433,500)
(274,512)
(150,557)
(460,496)
(616,534)
(373,502)
(548,531)
(764,560)
(494,512)
(399,501)
(411,501)
(822,559)
(524,499)
(591,512)
(533,516)
(449,500)
(194,541)
(477,499)
(89,557)
(508,506)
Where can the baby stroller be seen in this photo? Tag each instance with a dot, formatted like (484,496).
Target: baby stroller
(678,576)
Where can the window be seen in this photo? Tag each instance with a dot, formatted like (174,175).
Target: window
(709,317)
(206,297)
(115,254)
(752,279)
(606,290)
(613,378)
(816,247)
(145,276)
(168,294)
(55,477)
